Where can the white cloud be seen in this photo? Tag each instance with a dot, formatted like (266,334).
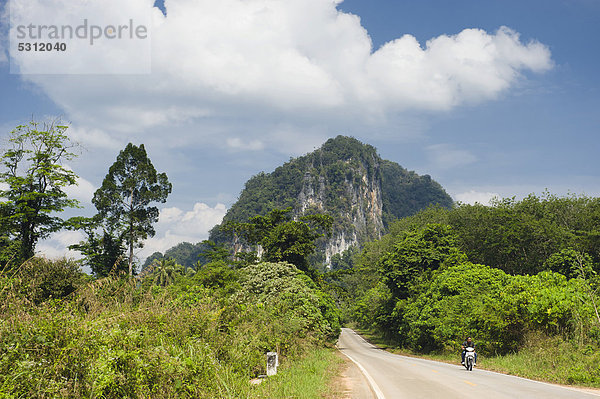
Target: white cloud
(472,197)
(56,245)
(175,226)
(285,60)
(471,66)
(99,37)
(82,191)
(236,143)
(95,138)
(446,156)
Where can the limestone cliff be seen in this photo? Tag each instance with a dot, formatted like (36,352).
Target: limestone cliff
(347,180)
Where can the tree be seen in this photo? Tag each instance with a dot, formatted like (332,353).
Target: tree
(103,252)
(417,252)
(35,178)
(214,252)
(131,184)
(165,270)
(282,239)
(571,263)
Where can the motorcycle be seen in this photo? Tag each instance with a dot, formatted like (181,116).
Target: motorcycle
(469,358)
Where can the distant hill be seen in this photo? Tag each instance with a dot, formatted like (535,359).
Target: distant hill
(347,180)
(185,253)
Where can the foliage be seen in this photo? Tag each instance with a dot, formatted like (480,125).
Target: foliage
(517,236)
(428,297)
(486,303)
(38,279)
(282,239)
(333,175)
(217,275)
(185,253)
(35,177)
(284,289)
(344,260)
(150,260)
(214,252)
(102,251)
(165,271)
(405,192)
(128,189)
(113,338)
(570,263)
(417,253)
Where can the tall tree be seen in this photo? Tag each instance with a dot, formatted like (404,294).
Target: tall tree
(35,177)
(128,189)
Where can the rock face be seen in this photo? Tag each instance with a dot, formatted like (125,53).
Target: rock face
(358,205)
(347,180)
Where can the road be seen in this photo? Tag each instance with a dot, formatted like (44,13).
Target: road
(394,376)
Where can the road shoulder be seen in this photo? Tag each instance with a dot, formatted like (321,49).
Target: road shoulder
(356,385)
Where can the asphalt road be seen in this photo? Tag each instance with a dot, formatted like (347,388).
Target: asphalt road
(394,376)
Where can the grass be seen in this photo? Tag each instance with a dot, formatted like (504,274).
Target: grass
(313,376)
(551,360)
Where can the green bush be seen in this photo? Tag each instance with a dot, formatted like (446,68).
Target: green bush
(493,307)
(114,338)
(40,279)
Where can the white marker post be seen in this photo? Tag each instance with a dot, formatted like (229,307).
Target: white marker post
(272,363)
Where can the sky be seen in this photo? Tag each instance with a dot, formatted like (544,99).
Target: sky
(490,98)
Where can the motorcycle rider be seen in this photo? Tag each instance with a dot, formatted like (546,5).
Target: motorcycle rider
(467,344)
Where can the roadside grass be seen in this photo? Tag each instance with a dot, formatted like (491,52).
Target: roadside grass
(551,360)
(542,358)
(311,377)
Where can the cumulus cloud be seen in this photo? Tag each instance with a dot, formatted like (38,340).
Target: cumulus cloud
(212,60)
(176,225)
(473,197)
(99,37)
(95,138)
(56,246)
(468,67)
(82,191)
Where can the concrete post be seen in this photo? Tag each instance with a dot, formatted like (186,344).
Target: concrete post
(272,363)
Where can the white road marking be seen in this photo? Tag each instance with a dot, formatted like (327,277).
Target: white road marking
(374,386)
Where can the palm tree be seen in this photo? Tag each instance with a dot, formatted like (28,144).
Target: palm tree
(165,271)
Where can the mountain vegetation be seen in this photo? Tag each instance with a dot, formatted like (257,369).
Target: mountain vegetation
(345,179)
(186,254)
(282,239)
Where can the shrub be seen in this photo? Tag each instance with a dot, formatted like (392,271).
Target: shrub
(41,279)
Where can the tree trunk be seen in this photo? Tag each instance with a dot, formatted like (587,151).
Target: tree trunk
(131,234)
(131,258)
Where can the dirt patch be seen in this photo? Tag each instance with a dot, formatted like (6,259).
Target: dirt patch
(351,382)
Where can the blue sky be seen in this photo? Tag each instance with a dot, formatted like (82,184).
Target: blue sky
(242,87)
